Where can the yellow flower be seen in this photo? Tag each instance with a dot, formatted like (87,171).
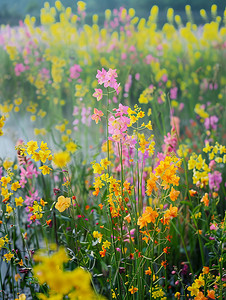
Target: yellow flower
(61,159)
(81,6)
(17,277)
(8,256)
(7,164)
(31,147)
(149,125)
(62,203)
(105,162)
(15,186)
(71,147)
(8,209)
(19,201)
(97,168)
(2,242)
(45,169)
(193,289)
(97,235)
(106,244)
(5,181)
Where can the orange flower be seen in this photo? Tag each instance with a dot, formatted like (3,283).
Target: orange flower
(205,200)
(101,205)
(169,214)
(148,272)
(211,294)
(174,194)
(147,217)
(151,184)
(165,250)
(133,290)
(48,222)
(103,252)
(96,192)
(141,222)
(150,214)
(200,296)
(128,218)
(192,193)
(205,270)
(164,263)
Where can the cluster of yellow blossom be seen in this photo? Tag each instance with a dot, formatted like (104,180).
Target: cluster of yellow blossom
(37,210)
(147,95)
(199,165)
(63,203)
(43,155)
(98,168)
(3,244)
(157,292)
(5,109)
(5,181)
(2,123)
(194,289)
(73,284)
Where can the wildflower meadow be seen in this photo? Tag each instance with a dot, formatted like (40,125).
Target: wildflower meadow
(112,165)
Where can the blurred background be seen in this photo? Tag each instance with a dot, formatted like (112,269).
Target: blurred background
(12,11)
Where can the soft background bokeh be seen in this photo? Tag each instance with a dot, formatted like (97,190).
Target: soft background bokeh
(12,11)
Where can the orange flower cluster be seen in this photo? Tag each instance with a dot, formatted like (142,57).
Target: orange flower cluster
(167,171)
(170,214)
(148,216)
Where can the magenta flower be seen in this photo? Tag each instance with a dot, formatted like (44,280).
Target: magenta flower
(173,93)
(215,180)
(213,226)
(98,94)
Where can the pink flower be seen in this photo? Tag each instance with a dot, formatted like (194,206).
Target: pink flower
(98,94)
(211,122)
(108,79)
(97,114)
(215,180)
(75,71)
(19,68)
(102,76)
(175,123)
(137,76)
(173,93)
(213,226)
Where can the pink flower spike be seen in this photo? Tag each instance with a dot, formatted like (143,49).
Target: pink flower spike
(97,114)
(102,76)
(98,94)
(112,73)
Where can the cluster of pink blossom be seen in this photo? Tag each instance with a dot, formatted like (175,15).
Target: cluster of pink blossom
(27,172)
(128,86)
(75,71)
(211,123)
(85,114)
(215,180)
(117,124)
(108,79)
(19,68)
(170,141)
(173,93)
